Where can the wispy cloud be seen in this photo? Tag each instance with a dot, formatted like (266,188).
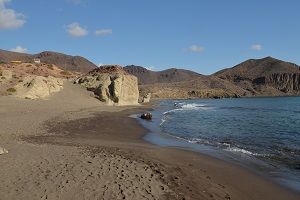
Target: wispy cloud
(194,48)
(10,19)
(76,30)
(76,2)
(256,47)
(19,49)
(59,9)
(150,68)
(103,32)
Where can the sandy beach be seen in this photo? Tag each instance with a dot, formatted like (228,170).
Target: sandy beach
(71,146)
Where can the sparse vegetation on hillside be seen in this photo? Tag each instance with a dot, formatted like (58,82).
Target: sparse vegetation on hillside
(65,72)
(63,61)
(50,67)
(11,90)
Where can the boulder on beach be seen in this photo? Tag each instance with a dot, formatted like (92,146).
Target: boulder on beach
(147,116)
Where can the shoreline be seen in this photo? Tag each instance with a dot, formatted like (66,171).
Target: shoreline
(178,169)
(252,164)
(72,147)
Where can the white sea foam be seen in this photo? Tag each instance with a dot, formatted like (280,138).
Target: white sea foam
(167,112)
(193,105)
(162,121)
(239,150)
(198,140)
(195,140)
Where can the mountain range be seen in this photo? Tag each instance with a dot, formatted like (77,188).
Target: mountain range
(254,77)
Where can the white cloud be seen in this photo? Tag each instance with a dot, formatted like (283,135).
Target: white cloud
(103,32)
(9,19)
(150,68)
(2,3)
(76,30)
(256,47)
(194,48)
(19,49)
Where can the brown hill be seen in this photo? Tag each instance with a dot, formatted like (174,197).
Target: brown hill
(172,75)
(254,68)
(264,77)
(63,61)
(255,77)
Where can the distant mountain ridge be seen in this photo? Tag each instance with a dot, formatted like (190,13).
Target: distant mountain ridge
(254,77)
(63,61)
(254,68)
(146,76)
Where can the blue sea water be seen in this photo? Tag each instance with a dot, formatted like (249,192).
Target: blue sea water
(262,134)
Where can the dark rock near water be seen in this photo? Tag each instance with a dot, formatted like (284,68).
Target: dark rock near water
(147,116)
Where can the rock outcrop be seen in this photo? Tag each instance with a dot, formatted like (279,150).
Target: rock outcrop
(3,151)
(5,75)
(38,87)
(112,85)
(284,82)
(147,116)
(146,98)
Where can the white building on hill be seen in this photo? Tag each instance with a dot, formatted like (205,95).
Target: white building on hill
(36,60)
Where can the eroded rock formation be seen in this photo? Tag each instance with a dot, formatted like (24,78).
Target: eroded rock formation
(38,87)
(112,85)
(284,82)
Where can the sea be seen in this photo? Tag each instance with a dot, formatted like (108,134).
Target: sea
(260,134)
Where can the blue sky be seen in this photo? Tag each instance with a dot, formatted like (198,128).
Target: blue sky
(200,35)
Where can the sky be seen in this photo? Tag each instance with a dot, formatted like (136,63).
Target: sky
(204,36)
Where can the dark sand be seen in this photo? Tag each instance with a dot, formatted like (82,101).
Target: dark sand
(97,152)
(187,175)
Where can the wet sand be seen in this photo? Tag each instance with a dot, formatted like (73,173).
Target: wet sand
(73,147)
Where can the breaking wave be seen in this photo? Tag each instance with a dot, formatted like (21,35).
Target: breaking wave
(243,151)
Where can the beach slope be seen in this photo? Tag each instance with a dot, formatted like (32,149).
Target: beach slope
(71,146)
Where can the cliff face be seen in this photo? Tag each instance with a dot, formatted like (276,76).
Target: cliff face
(287,83)
(112,85)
